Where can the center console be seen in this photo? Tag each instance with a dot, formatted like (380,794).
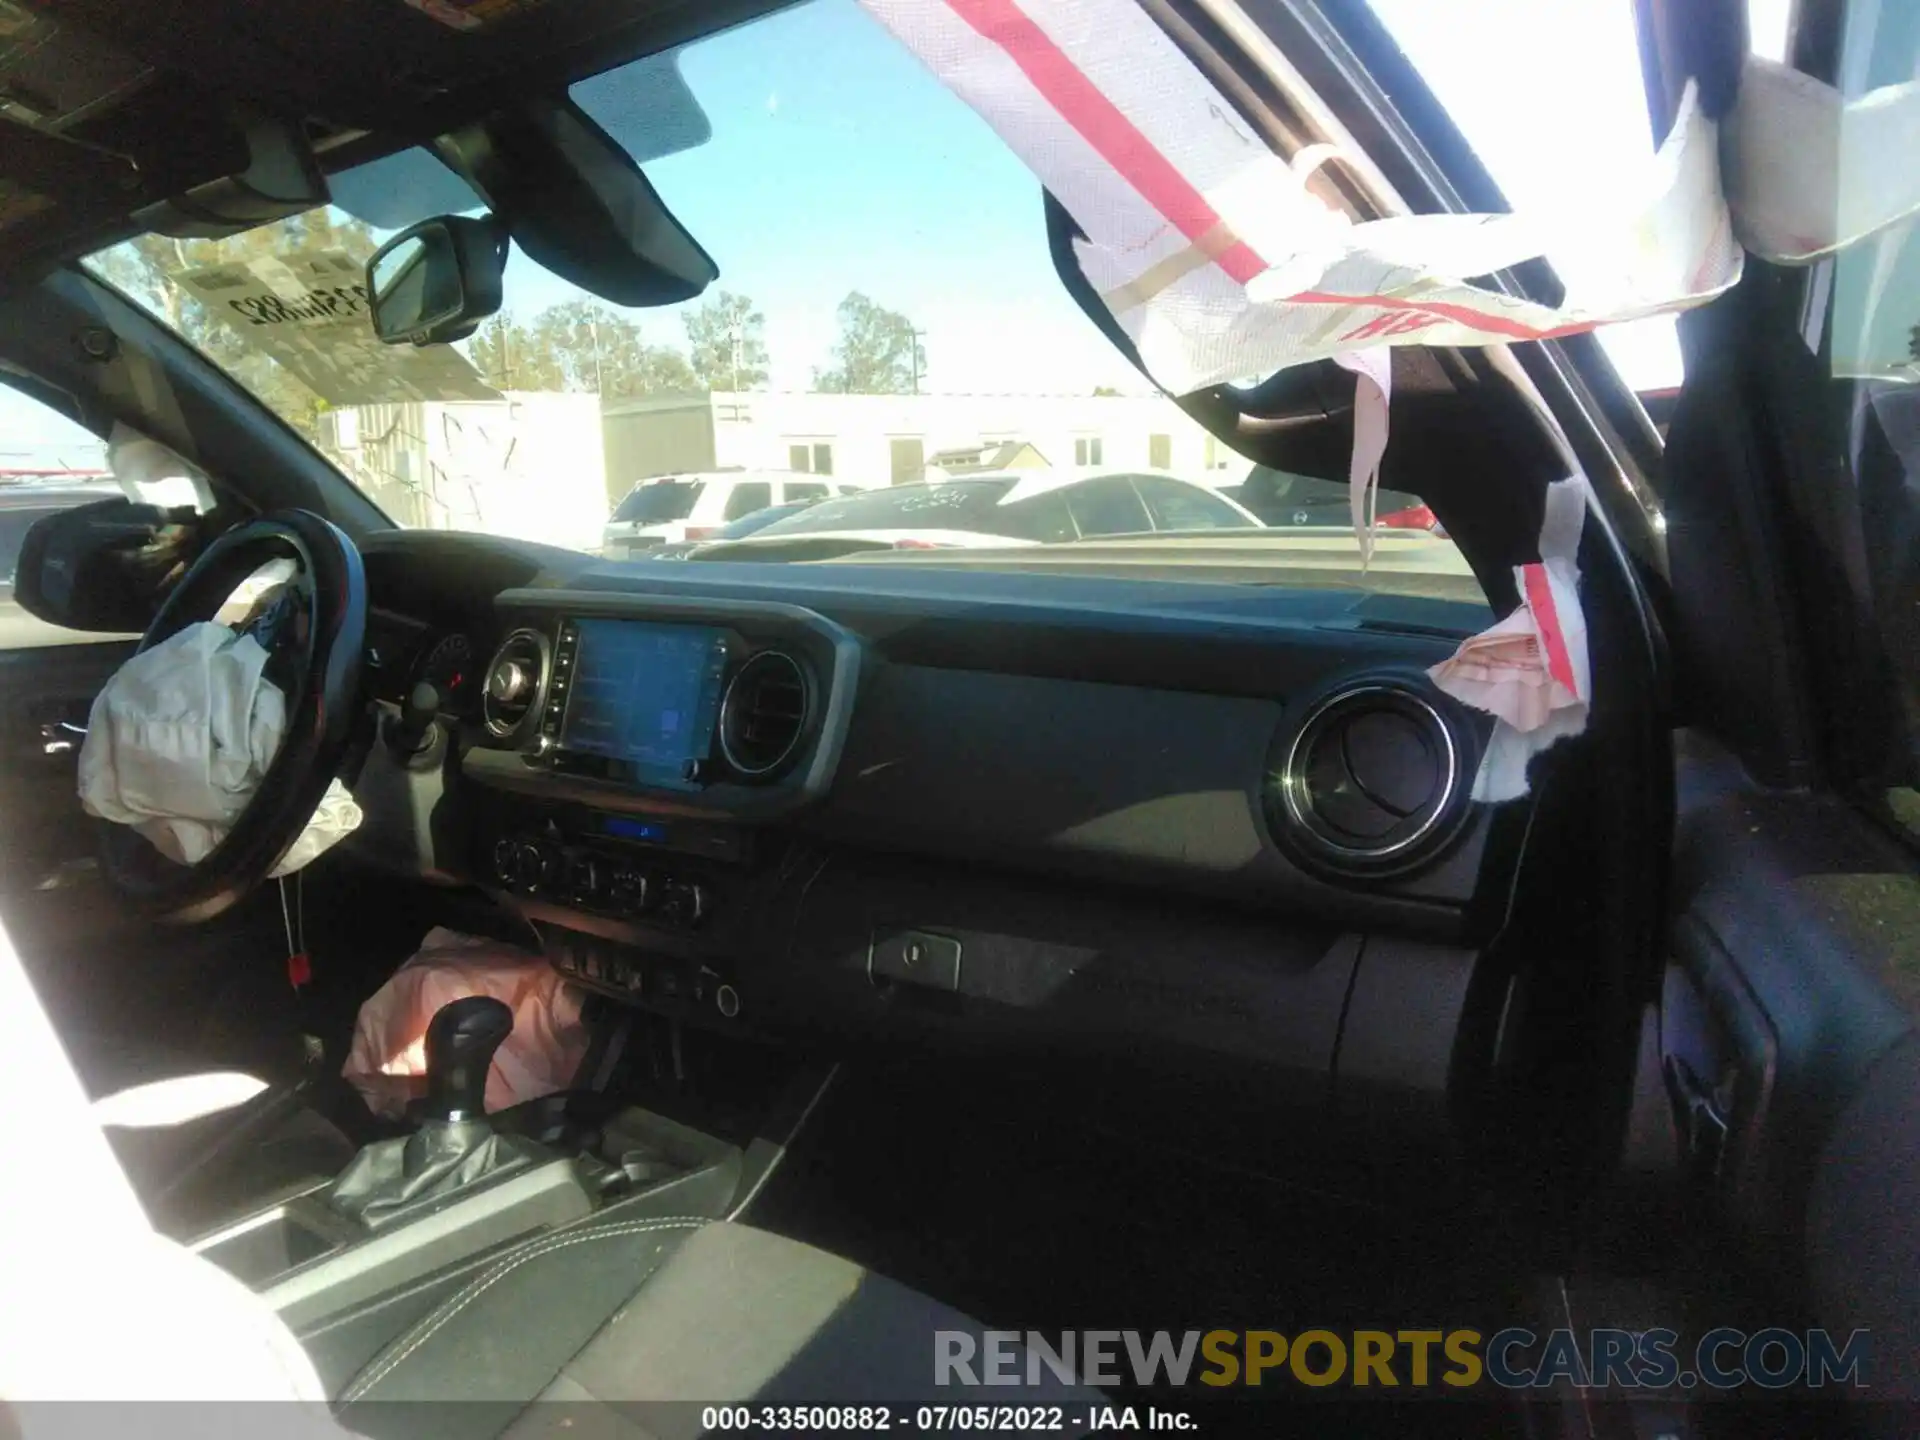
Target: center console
(349,1262)
(632,749)
(646,705)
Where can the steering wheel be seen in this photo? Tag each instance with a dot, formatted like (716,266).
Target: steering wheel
(315,634)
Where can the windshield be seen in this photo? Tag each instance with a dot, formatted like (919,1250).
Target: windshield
(759,520)
(887,315)
(1042,508)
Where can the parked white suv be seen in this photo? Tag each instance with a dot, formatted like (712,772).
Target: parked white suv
(674,509)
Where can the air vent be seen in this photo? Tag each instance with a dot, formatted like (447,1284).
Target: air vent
(516,676)
(1372,782)
(763,714)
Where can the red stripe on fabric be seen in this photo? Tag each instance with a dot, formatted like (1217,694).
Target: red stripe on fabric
(1442,309)
(1546,619)
(1100,123)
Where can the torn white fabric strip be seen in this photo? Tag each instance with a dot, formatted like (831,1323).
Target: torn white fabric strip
(1531,671)
(1216,258)
(1809,173)
(1372,392)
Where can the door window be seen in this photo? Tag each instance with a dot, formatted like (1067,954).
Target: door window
(1108,506)
(659,502)
(747,497)
(1174,506)
(810,457)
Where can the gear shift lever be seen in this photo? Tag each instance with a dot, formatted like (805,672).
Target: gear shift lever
(461,1039)
(455,1147)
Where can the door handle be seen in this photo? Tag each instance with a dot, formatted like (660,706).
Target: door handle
(59,726)
(1704,1126)
(61,737)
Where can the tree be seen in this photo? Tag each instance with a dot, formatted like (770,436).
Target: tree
(878,352)
(581,346)
(726,343)
(1103,390)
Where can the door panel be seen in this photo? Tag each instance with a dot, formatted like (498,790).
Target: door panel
(51,895)
(1792,942)
(1862,1245)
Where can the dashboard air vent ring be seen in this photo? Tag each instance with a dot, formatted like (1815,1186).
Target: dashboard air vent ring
(1373,781)
(516,679)
(764,713)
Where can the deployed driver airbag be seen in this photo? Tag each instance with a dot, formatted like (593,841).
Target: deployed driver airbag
(179,740)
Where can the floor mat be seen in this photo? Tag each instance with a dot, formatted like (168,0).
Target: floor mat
(969,1188)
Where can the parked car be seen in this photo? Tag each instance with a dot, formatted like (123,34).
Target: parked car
(1022,508)
(675,509)
(739,530)
(1283,499)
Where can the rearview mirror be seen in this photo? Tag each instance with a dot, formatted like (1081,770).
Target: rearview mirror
(436,281)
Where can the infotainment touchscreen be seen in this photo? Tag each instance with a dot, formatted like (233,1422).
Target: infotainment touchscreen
(643,697)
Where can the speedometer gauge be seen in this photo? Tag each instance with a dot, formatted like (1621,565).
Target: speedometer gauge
(450,666)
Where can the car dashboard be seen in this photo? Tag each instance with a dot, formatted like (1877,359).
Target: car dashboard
(1209,829)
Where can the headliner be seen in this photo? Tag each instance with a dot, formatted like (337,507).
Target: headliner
(108,107)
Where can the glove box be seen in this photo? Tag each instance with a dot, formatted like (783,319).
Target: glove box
(1302,1014)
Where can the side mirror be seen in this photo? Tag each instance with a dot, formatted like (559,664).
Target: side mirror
(436,281)
(104,566)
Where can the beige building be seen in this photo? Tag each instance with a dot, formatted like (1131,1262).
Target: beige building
(528,464)
(892,439)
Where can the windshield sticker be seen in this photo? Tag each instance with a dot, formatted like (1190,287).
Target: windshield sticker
(472,14)
(308,313)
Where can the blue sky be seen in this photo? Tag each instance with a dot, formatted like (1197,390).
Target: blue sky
(838,163)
